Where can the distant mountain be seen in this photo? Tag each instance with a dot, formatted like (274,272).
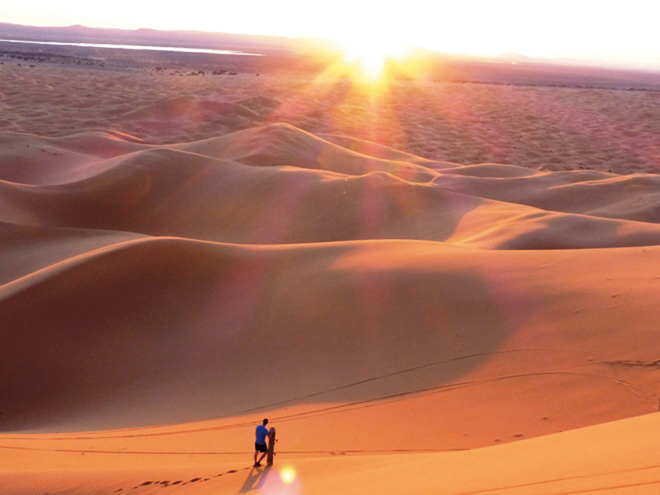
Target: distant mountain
(517,57)
(576,62)
(184,39)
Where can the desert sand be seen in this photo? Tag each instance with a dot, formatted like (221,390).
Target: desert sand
(427,287)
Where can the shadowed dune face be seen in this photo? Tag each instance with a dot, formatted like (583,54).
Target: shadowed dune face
(271,270)
(207,312)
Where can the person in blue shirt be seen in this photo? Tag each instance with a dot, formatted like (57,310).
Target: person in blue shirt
(260,443)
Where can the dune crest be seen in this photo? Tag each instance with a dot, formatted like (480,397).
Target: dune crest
(331,193)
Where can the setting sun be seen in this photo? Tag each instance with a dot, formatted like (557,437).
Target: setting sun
(368,57)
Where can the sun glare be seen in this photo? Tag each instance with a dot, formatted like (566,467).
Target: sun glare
(368,58)
(288,474)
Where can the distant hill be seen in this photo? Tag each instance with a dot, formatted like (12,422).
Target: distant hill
(575,62)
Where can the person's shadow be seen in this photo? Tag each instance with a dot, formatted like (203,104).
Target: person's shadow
(255,479)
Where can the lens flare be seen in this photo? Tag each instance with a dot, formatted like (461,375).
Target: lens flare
(369,64)
(368,56)
(288,474)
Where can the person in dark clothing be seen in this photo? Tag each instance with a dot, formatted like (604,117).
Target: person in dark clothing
(260,443)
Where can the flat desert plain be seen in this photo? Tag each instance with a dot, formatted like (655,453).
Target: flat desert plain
(427,287)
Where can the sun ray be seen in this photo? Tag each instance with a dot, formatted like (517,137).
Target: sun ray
(368,57)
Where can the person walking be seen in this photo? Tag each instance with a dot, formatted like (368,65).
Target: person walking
(260,446)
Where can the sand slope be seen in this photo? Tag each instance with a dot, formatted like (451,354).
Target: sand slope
(334,285)
(619,457)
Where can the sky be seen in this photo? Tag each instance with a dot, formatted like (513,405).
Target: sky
(619,32)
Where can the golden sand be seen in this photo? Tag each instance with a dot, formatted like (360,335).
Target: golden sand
(417,285)
(536,127)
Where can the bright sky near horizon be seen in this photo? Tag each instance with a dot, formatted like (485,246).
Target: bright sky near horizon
(611,31)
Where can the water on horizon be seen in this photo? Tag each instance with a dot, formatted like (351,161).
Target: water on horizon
(138,47)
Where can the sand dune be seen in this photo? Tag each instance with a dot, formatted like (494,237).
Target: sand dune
(187,108)
(536,127)
(631,197)
(156,330)
(103,218)
(582,461)
(163,288)
(230,189)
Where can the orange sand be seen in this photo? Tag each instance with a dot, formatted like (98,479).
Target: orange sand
(409,325)
(536,127)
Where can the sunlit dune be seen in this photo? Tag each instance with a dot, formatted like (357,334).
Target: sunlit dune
(534,127)
(426,287)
